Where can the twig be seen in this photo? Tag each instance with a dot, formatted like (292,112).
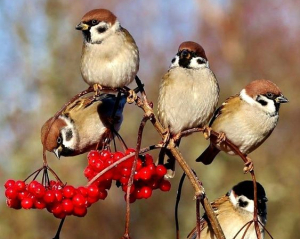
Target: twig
(59,228)
(130,182)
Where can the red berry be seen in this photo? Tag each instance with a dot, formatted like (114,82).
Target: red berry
(11,193)
(126,172)
(79,211)
(105,155)
(146,192)
(13,203)
(148,159)
(124,180)
(78,200)
(22,195)
(58,195)
(39,204)
(68,191)
(93,154)
(165,185)
(89,172)
(83,191)
(161,170)
(27,203)
(93,190)
(102,194)
(67,206)
(57,210)
(117,156)
(105,184)
(9,183)
(92,200)
(39,191)
(138,193)
(20,185)
(154,182)
(152,168)
(32,186)
(49,197)
(145,173)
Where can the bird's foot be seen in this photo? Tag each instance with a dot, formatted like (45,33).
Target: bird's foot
(132,96)
(248,165)
(221,137)
(97,89)
(177,137)
(206,132)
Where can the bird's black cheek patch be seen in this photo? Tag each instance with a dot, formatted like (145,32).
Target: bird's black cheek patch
(243,203)
(69,135)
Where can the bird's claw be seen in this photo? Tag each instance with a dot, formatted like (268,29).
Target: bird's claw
(97,89)
(248,166)
(132,96)
(206,132)
(221,137)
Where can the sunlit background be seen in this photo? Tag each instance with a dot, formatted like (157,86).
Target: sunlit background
(39,65)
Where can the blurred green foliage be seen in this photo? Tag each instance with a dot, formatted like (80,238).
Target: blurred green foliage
(39,64)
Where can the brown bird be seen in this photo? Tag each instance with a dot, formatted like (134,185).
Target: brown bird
(246,119)
(188,93)
(85,124)
(110,56)
(234,210)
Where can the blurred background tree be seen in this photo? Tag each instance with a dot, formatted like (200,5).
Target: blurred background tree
(39,65)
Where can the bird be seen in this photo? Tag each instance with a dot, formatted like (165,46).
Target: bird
(246,119)
(87,123)
(234,210)
(188,93)
(110,56)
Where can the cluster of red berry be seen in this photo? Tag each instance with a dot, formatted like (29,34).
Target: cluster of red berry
(56,198)
(63,200)
(147,176)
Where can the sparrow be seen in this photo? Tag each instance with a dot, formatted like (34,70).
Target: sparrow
(110,56)
(87,123)
(234,210)
(188,93)
(246,119)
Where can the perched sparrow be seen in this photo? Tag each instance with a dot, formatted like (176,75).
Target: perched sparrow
(110,57)
(84,125)
(246,119)
(234,210)
(189,91)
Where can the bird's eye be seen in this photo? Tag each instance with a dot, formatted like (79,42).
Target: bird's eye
(94,22)
(270,95)
(59,140)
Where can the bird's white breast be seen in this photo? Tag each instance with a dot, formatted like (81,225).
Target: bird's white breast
(187,98)
(111,63)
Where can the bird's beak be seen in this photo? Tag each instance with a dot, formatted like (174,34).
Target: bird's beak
(281,99)
(57,152)
(185,54)
(82,26)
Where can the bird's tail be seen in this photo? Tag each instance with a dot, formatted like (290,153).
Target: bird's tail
(208,155)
